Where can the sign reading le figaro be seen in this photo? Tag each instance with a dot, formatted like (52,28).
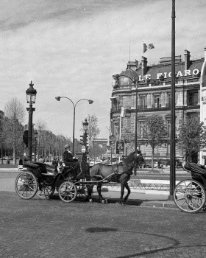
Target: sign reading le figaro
(168,74)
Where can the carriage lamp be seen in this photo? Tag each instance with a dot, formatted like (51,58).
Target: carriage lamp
(31,98)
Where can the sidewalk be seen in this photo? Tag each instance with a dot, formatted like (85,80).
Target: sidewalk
(142,198)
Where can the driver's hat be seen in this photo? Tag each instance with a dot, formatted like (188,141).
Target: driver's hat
(66,146)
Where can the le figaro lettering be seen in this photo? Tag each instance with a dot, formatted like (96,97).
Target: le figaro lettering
(168,74)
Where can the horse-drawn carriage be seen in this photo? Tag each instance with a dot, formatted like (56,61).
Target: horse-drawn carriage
(43,180)
(189,194)
(39,178)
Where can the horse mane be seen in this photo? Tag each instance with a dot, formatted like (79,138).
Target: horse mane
(129,158)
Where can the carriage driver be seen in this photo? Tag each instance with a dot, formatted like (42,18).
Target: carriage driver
(70,161)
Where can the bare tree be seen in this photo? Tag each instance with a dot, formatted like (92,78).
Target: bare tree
(15,113)
(93,131)
(49,144)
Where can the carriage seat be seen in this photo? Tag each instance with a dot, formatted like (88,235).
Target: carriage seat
(195,168)
(45,169)
(31,165)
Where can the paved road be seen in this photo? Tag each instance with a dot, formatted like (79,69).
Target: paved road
(51,228)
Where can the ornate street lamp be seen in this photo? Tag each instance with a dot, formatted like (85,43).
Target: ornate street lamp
(84,163)
(90,101)
(85,125)
(31,98)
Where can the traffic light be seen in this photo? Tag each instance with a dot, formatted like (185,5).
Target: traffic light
(86,141)
(25,138)
(83,139)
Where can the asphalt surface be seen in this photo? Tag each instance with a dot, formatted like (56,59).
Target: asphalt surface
(147,226)
(50,228)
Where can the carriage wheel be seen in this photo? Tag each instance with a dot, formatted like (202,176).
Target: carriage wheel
(189,196)
(26,185)
(67,191)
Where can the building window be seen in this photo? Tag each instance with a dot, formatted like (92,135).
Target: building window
(126,101)
(193,115)
(192,98)
(124,81)
(142,129)
(143,101)
(168,103)
(157,103)
(168,128)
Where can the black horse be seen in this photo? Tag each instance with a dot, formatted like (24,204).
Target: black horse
(119,173)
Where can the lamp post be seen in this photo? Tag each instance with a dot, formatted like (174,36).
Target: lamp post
(74,114)
(135,136)
(136,105)
(172,136)
(35,145)
(84,164)
(31,98)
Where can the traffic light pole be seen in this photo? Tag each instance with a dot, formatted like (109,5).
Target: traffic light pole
(84,142)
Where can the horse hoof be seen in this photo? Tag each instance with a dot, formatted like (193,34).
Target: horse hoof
(104,201)
(90,200)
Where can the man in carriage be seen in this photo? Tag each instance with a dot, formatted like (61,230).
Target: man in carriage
(72,166)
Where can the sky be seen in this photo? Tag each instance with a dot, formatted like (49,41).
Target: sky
(73,47)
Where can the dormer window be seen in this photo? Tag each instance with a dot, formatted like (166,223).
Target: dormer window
(124,81)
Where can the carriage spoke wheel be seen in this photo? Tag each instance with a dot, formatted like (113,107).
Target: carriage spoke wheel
(189,196)
(67,191)
(26,185)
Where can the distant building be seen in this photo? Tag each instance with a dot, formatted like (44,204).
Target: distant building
(153,97)
(98,147)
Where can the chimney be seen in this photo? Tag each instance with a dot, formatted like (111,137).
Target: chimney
(144,65)
(187,59)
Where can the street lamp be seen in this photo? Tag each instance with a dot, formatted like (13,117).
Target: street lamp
(172,137)
(31,98)
(85,128)
(58,98)
(135,133)
(84,164)
(35,145)
(85,125)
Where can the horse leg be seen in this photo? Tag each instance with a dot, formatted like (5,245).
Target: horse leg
(89,193)
(122,193)
(128,191)
(99,190)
